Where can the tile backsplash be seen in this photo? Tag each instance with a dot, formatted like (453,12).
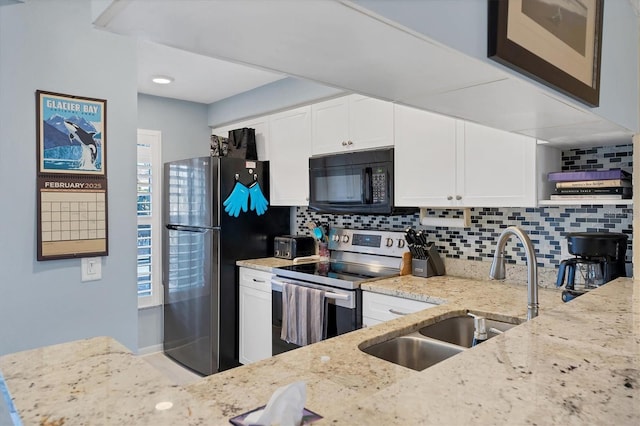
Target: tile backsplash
(547,226)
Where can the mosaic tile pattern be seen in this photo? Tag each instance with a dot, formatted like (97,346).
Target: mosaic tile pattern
(620,157)
(547,226)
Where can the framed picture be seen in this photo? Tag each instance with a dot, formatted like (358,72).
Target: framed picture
(71,133)
(556,42)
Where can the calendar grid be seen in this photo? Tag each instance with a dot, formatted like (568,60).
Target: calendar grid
(72,217)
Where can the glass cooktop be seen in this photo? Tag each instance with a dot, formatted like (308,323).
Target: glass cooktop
(337,274)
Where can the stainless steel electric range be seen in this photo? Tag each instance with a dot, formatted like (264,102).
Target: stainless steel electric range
(356,256)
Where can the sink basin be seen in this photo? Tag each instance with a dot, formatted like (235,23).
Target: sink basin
(434,343)
(413,351)
(459,330)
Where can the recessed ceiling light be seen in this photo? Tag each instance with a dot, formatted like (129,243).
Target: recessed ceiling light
(162,79)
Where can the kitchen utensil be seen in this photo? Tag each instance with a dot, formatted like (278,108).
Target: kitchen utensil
(258,202)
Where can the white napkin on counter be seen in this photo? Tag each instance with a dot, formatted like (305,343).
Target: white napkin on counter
(284,408)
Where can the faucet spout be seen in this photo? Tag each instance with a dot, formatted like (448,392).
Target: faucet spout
(497,271)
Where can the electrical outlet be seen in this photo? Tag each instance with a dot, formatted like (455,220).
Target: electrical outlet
(91,268)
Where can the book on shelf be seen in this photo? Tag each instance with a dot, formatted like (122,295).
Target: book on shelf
(583,175)
(602,183)
(590,197)
(578,191)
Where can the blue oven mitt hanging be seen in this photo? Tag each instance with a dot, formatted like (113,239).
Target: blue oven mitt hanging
(238,199)
(258,202)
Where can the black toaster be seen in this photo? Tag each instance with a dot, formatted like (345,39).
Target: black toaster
(292,246)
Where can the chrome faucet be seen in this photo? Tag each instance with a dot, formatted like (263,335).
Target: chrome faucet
(497,271)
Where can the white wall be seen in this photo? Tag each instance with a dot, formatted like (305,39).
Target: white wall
(51,45)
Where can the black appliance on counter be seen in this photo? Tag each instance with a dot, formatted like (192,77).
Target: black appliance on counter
(201,244)
(359,182)
(292,246)
(599,258)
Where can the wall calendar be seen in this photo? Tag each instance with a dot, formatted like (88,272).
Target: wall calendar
(71,179)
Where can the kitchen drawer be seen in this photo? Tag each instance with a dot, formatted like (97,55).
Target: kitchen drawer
(382,307)
(253,278)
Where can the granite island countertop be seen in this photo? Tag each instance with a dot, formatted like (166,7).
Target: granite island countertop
(576,363)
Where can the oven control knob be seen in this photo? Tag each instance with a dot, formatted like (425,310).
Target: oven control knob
(389,242)
(336,238)
(400,243)
(345,238)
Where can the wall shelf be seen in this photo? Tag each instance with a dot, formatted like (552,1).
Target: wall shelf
(577,202)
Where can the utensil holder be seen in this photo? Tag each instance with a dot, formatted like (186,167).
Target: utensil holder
(421,268)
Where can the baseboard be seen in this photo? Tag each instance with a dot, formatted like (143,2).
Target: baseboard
(148,350)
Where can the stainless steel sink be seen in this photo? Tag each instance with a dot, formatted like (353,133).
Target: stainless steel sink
(459,330)
(413,351)
(434,343)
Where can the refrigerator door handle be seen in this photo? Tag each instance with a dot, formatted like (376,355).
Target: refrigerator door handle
(201,229)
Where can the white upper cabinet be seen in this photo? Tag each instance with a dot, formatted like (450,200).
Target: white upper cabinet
(425,158)
(443,162)
(351,123)
(289,151)
(496,168)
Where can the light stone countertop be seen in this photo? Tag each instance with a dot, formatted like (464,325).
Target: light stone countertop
(268,263)
(577,363)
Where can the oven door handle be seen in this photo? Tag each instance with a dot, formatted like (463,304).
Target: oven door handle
(277,286)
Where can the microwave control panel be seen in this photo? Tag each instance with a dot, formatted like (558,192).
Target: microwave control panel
(379,184)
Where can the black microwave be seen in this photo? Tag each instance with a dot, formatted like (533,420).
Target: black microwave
(359,182)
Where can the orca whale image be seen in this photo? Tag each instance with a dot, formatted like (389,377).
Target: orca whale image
(89,147)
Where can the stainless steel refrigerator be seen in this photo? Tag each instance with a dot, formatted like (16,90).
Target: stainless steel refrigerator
(201,244)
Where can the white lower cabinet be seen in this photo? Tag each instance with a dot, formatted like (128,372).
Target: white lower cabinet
(255,315)
(377,308)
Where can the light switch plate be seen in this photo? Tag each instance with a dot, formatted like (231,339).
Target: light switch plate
(91,268)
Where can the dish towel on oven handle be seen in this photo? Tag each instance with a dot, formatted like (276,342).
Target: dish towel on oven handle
(303,314)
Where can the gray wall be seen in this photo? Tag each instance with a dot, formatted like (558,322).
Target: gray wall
(462,25)
(52,46)
(279,95)
(185,134)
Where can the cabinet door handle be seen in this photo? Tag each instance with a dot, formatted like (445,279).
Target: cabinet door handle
(344,143)
(393,311)
(450,198)
(458,197)
(349,143)
(255,280)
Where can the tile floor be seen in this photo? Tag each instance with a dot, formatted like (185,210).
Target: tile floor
(175,372)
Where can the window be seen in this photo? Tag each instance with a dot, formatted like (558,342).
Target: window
(149,184)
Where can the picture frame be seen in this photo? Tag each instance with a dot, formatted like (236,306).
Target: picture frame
(555,42)
(71,134)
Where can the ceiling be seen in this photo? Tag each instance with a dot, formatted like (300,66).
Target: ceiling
(218,48)
(197,78)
